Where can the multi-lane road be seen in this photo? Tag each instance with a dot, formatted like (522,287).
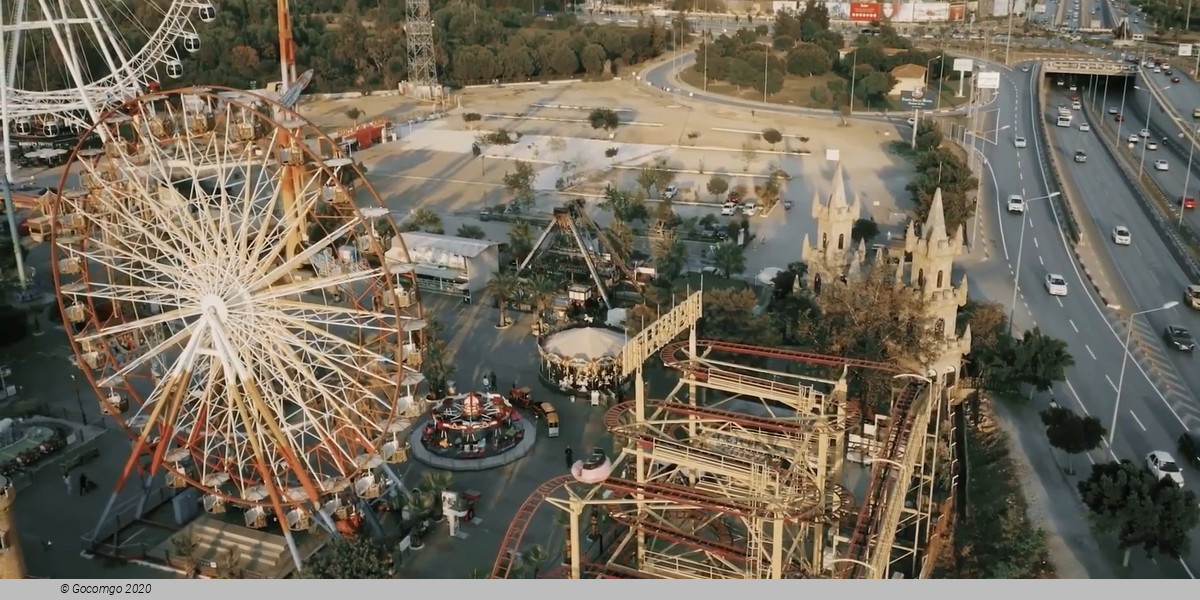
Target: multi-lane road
(1156,402)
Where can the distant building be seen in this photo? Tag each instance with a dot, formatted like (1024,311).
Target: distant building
(908,78)
(448,264)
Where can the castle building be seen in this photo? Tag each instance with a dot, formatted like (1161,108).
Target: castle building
(925,266)
(12,563)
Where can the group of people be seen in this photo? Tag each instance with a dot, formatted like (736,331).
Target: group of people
(84,486)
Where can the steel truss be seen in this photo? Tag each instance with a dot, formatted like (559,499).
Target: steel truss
(738,472)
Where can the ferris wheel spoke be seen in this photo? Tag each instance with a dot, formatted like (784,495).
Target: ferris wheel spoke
(150,353)
(300,258)
(358,358)
(343,278)
(335,316)
(121,231)
(134,293)
(176,314)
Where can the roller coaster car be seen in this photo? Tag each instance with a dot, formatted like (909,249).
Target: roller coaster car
(594,469)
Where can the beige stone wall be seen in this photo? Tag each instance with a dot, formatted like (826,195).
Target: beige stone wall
(12,564)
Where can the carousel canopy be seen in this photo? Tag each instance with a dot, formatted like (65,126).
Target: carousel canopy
(586,343)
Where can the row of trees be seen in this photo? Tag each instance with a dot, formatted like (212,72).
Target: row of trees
(361,45)
(937,166)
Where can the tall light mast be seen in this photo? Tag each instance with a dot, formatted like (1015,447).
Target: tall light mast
(287,45)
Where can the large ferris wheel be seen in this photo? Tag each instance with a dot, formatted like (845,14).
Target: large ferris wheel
(63,62)
(241,304)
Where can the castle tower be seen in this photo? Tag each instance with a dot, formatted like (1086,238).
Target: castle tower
(12,564)
(933,253)
(834,253)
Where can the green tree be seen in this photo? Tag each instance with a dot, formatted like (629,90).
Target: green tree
(470,231)
(350,558)
(563,61)
(620,235)
(437,365)
(730,258)
(783,43)
(354,114)
(1043,359)
(646,178)
(624,205)
(670,256)
(808,59)
(729,315)
(864,229)
(1072,433)
(1154,514)
(423,219)
(717,186)
(534,558)
(773,81)
(929,135)
(593,57)
(520,239)
(502,287)
(772,136)
(604,118)
(519,183)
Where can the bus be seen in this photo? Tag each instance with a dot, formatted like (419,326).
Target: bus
(1064,120)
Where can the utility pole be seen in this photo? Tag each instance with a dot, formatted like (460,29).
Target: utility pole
(1008,40)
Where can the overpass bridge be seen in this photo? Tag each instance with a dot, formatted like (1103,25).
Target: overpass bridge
(1087,66)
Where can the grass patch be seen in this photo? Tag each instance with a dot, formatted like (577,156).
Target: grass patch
(996,540)
(797,91)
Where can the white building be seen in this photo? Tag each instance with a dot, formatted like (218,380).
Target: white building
(448,264)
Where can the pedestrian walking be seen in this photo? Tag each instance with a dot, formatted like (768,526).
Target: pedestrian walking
(570,454)
(85,484)
(67,482)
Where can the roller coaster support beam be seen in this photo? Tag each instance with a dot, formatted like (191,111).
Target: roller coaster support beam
(576,510)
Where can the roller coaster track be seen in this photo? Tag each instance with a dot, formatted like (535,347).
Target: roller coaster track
(613,422)
(884,476)
(511,545)
(670,534)
(671,357)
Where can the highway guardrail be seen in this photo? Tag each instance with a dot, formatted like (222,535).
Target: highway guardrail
(1066,207)
(1182,243)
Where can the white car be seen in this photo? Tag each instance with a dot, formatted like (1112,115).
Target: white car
(1133,138)
(1158,69)
(1151,145)
(1144,133)
(1076,105)
(749,209)
(1016,204)
(1085,127)
(1019,142)
(1161,165)
(1074,87)
(671,191)
(728,209)
(1025,69)
(1121,236)
(1162,464)
(1112,110)
(1056,285)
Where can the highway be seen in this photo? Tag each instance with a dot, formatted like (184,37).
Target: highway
(1151,417)
(1145,423)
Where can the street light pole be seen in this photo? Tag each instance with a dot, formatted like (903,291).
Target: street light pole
(79,400)
(1121,112)
(1012,310)
(1008,40)
(1149,109)
(1187,179)
(1112,430)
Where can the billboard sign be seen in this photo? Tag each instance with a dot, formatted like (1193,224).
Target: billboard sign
(1185,49)
(988,80)
(963,65)
(958,12)
(865,12)
(930,12)
(916,99)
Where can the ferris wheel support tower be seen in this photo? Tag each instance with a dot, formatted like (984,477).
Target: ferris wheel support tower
(422,71)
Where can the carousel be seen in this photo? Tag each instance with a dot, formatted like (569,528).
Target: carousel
(472,425)
(582,360)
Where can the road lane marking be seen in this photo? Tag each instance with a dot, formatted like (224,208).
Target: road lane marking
(1137,420)
(1073,325)
(1060,304)
(1089,349)
(1035,244)
(1041,260)
(1110,382)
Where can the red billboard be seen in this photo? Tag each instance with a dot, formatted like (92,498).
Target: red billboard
(865,12)
(958,12)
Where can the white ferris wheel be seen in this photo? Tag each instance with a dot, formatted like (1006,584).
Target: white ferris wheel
(240,302)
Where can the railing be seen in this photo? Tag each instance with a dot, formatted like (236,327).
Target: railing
(1066,208)
(1087,67)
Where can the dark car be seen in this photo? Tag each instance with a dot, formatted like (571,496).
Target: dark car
(1187,202)
(1175,79)
(1189,448)
(1179,338)
(1080,156)
(1119,118)
(734,197)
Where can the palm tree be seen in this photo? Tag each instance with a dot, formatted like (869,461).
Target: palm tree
(670,255)
(425,220)
(730,258)
(503,286)
(185,546)
(543,287)
(534,557)
(436,482)
(520,239)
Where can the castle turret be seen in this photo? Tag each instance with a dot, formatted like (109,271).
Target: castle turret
(834,253)
(12,563)
(933,253)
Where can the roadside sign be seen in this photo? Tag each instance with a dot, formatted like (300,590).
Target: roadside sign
(1185,49)
(964,64)
(916,99)
(988,80)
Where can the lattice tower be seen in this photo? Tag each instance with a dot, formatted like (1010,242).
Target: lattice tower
(422,72)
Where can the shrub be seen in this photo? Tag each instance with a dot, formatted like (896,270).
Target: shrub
(611,152)
(470,117)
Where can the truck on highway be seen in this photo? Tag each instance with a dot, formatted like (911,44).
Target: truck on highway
(1196,113)
(1064,120)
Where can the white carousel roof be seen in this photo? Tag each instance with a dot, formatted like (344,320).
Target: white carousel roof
(585,342)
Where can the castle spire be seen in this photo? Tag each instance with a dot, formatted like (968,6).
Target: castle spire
(935,223)
(837,199)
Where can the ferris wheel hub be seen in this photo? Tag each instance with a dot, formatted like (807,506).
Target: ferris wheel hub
(215,306)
